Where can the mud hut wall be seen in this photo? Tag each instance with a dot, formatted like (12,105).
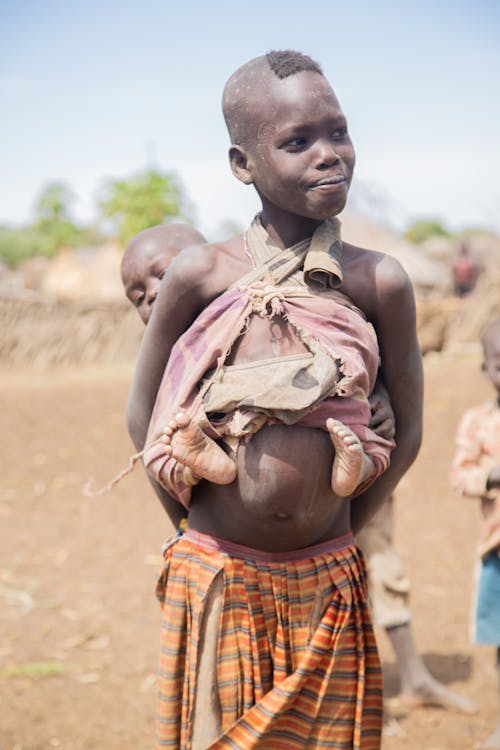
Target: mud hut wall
(43,332)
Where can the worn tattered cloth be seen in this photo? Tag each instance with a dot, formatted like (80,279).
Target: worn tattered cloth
(265,650)
(342,363)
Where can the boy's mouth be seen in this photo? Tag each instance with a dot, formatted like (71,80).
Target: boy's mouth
(332,181)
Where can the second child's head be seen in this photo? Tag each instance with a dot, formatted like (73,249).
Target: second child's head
(147,257)
(490,341)
(289,135)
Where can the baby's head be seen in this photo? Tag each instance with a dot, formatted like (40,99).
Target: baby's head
(289,135)
(147,257)
(490,341)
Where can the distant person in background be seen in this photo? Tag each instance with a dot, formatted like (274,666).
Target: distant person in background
(466,271)
(476,473)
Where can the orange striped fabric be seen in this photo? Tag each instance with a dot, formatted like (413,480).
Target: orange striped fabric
(295,659)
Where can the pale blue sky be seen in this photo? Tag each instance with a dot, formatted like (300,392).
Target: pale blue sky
(90,90)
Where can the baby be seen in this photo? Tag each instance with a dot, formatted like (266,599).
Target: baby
(147,257)
(287,386)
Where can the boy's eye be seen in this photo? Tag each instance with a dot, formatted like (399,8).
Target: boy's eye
(340,133)
(139,300)
(295,144)
(162,273)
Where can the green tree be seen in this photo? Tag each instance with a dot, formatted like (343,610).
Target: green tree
(17,245)
(51,229)
(145,200)
(53,223)
(423,229)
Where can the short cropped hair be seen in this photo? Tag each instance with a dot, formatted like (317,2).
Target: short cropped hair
(287,62)
(243,91)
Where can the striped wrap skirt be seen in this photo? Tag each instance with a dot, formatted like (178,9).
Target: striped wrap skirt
(266,650)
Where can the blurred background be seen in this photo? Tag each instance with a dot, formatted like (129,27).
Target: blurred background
(111,123)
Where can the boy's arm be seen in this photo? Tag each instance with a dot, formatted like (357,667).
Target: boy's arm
(471,467)
(393,316)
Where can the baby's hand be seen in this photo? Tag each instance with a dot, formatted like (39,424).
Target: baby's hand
(491,535)
(382,417)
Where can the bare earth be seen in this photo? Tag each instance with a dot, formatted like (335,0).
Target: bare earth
(78,620)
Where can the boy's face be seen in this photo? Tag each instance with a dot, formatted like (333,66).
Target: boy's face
(301,158)
(491,364)
(143,267)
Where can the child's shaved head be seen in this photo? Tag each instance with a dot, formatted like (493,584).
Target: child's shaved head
(147,257)
(244,90)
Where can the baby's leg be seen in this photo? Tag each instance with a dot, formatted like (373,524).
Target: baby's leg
(351,465)
(188,444)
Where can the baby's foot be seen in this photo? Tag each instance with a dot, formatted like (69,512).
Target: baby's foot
(350,465)
(187,443)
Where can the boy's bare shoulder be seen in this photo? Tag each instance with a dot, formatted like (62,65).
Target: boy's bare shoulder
(373,278)
(210,268)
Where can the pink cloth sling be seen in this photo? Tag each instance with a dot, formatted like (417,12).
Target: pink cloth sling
(299,284)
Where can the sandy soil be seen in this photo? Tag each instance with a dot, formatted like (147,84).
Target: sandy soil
(79,623)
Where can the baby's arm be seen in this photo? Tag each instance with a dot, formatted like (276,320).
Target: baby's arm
(382,416)
(391,309)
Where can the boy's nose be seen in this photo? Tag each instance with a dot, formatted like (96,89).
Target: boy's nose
(326,154)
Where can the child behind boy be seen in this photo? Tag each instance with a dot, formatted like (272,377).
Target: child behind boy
(147,257)
(476,473)
(267,640)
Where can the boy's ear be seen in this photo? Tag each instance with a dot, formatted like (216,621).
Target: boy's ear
(239,160)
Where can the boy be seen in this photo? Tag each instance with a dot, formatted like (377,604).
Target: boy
(267,640)
(476,473)
(145,261)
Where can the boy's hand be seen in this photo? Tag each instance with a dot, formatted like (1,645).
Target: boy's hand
(382,417)
(491,535)
(493,478)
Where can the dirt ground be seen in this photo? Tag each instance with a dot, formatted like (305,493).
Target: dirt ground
(79,624)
